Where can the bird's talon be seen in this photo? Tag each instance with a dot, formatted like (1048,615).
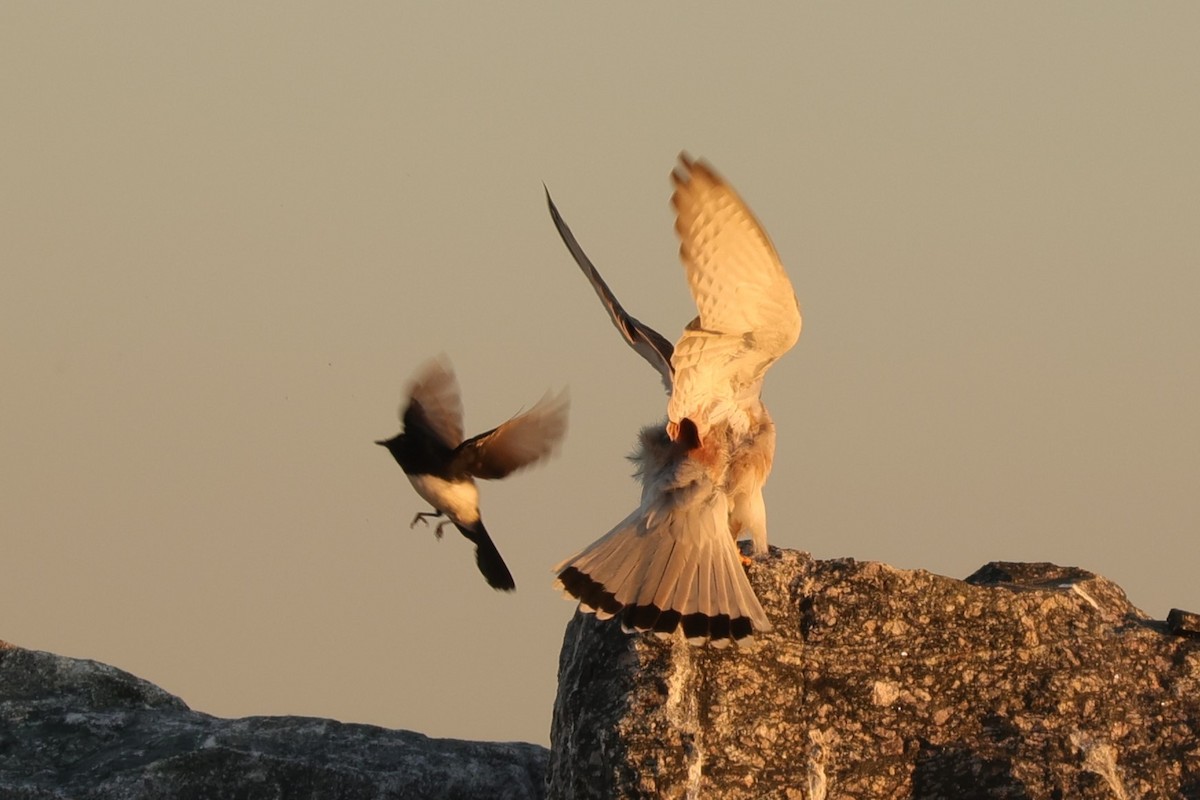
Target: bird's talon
(423,516)
(438,530)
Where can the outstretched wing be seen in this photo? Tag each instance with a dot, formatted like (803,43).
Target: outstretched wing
(522,441)
(434,405)
(748,313)
(649,343)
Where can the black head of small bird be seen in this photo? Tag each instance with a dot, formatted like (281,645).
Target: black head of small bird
(416,453)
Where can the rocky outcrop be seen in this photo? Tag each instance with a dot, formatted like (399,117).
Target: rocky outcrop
(1023,681)
(77,729)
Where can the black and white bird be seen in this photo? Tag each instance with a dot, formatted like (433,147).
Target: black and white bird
(674,560)
(442,467)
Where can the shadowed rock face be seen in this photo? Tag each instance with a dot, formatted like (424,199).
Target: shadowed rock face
(1024,681)
(71,728)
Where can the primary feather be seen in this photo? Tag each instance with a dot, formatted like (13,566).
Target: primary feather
(748,313)
(521,441)
(645,341)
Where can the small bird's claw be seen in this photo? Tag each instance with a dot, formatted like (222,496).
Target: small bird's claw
(438,530)
(423,517)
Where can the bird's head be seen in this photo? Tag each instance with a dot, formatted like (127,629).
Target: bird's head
(688,434)
(711,449)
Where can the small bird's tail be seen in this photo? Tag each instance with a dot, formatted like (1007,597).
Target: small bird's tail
(658,572)
(487,558)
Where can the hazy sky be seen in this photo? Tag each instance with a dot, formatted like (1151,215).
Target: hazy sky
(231,232)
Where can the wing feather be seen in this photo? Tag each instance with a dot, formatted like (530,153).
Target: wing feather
(520,442)
(647,342)
(748,314)
(434,404)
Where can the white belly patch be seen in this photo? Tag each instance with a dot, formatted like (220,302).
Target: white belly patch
(458,499)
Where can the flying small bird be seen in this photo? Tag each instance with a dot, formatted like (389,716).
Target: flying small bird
(749,317)
(442,467)
(674,561)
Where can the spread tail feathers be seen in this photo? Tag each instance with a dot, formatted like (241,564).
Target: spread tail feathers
(660,572)
(488,559)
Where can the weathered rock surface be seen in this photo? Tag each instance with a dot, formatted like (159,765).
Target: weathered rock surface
(77,729)
(1024,681)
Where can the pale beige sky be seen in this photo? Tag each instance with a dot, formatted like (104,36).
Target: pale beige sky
(231,232)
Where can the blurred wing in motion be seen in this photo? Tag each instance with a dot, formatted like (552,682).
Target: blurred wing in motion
(520,442)
(748,313)
(434,406)
(649,343)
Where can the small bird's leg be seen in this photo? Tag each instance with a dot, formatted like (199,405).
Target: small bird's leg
(438,530)
(423,516)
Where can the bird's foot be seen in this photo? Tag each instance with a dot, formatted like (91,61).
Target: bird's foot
(438,530)
(423,517)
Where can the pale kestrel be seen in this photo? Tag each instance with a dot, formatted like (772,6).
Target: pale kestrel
(748,318)
(674,560)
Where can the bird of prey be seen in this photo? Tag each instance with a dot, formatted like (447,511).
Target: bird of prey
(748,318)
(674,562)
(442,466)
